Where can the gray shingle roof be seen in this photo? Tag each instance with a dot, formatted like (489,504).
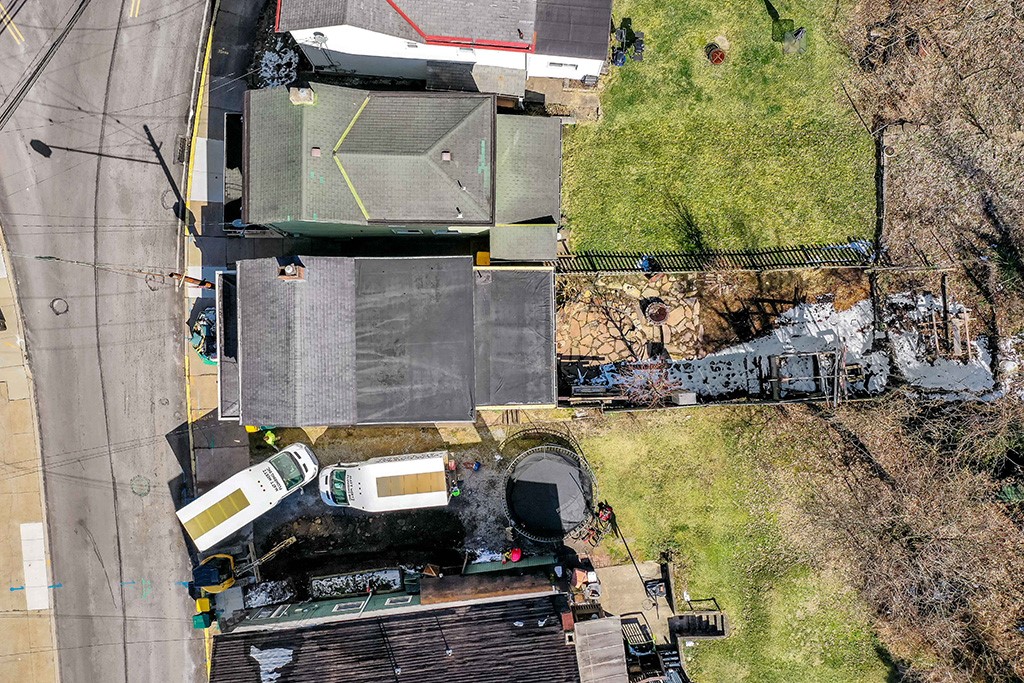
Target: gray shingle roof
(372,15)
(492,21)
(574,28)
(391,340)
(529,169)
(359,341)
(524,242)
(297,357)
(515,337)
(388,144)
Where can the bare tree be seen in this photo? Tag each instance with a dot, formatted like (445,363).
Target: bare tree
(922,535)
(648,383)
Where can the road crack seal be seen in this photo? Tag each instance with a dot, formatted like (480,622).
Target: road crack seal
(95,549)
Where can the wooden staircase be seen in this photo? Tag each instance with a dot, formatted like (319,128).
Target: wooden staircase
(703,625)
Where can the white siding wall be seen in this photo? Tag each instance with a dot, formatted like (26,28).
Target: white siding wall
(553,66)
(378,54)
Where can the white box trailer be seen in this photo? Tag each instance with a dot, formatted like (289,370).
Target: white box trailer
(244,496)
(402,482)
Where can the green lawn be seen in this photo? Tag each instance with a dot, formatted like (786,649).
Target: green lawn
(683,481)
(763,150)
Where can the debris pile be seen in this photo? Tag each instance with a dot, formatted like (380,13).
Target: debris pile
(359,583)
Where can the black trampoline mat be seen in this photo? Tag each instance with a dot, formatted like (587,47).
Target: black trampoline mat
(548,494)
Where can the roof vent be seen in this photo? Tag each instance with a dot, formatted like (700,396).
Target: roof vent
(291,272)
(446,155)
(304,96)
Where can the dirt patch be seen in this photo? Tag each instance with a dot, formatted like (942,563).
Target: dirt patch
(333,540)
(558,97)
(343,541)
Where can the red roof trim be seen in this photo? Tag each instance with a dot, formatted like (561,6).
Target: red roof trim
(407,19)
(277,17)
(459,41)
(487,44)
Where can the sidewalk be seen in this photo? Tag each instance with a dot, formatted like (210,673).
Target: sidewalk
(220,448)
(27,650)
(222,91)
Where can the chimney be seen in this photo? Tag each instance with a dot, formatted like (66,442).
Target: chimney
(302,96)
(291,272)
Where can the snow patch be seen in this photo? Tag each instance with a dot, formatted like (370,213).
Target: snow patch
(486,556)
(360,583)
(270,661)
(806,328)
(973,376)
(268,593)
(278,65)
(817,328)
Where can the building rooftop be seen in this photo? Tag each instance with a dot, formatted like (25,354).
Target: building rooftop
(508,24)
(529,170)
(359,341)
(574,28)
(515,640)
(360,157)
(356,157)
(475,77)
(390,340)
(602,658)
(514,314)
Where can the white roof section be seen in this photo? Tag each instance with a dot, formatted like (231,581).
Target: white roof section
(600,652)
(378,485)
(230,505)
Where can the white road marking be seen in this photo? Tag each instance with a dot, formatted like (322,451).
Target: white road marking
(33,557)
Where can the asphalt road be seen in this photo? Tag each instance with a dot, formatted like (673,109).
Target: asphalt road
(79,180)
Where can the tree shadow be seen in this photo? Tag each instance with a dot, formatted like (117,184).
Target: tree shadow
(688,232)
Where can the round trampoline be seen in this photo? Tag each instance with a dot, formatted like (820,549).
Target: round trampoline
(549,493)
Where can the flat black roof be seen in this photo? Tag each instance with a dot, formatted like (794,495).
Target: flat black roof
(515,336)
(574,28)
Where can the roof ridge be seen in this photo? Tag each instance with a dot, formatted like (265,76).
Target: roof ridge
(462,121)
(491,162)
(457,184)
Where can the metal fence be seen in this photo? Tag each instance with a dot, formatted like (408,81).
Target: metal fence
(852,254)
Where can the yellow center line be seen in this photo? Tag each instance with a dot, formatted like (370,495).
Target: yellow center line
(8,22)
(136,5)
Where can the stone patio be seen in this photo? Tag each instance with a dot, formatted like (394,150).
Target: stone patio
(601,318)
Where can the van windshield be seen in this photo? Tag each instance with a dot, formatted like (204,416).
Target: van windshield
(289,470)
(338,487)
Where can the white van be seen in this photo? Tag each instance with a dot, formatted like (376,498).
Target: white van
(232,504)
(402,482)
